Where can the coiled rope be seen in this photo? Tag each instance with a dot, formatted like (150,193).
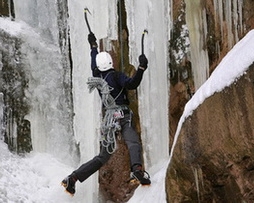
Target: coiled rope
(110,123)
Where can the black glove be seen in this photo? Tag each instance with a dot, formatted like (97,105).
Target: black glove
(92,40)
(143,61)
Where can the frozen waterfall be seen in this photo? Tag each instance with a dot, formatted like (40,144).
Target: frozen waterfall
(65,126)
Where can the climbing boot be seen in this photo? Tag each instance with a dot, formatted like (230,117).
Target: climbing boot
(141,176)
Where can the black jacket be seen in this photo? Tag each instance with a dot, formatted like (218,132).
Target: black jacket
(117,80)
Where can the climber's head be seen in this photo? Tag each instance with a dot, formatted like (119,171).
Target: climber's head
(104,61)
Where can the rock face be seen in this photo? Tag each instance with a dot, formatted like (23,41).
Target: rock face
(213,158)
(199,42)
(114,176)
(13,83)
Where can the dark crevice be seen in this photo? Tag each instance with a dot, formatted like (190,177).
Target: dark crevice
(7,9)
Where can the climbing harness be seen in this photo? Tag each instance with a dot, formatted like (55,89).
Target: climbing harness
(110,128)
(110,125)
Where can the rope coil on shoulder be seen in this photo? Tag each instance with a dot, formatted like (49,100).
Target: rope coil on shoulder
(110,123)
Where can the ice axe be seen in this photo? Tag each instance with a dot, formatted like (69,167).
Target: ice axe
(142,41)
(87,23)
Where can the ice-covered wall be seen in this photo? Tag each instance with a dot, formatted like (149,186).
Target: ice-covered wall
(153,92)
(50,114)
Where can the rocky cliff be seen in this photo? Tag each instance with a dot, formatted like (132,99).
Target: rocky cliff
(212,161)
(201,35)
(213,158)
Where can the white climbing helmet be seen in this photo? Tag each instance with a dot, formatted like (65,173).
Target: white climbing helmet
(104,61)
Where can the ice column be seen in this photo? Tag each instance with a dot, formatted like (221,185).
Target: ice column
(50,114)
(196,22)
(153,92)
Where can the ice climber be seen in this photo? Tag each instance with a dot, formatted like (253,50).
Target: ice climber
(112,86)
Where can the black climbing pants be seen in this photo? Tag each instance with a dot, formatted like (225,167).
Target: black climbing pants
(131,139)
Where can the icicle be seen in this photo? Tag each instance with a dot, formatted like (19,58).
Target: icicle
(232,10)
(235,20)
(11,130)
(218,12)
(198,175)
(1,114)
(240,12)
(195,171)
(196,22)
(220,8)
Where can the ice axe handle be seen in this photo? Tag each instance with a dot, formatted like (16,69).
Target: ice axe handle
(87,23)
(142,41)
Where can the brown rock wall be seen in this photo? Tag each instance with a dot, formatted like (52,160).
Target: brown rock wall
(213,159)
